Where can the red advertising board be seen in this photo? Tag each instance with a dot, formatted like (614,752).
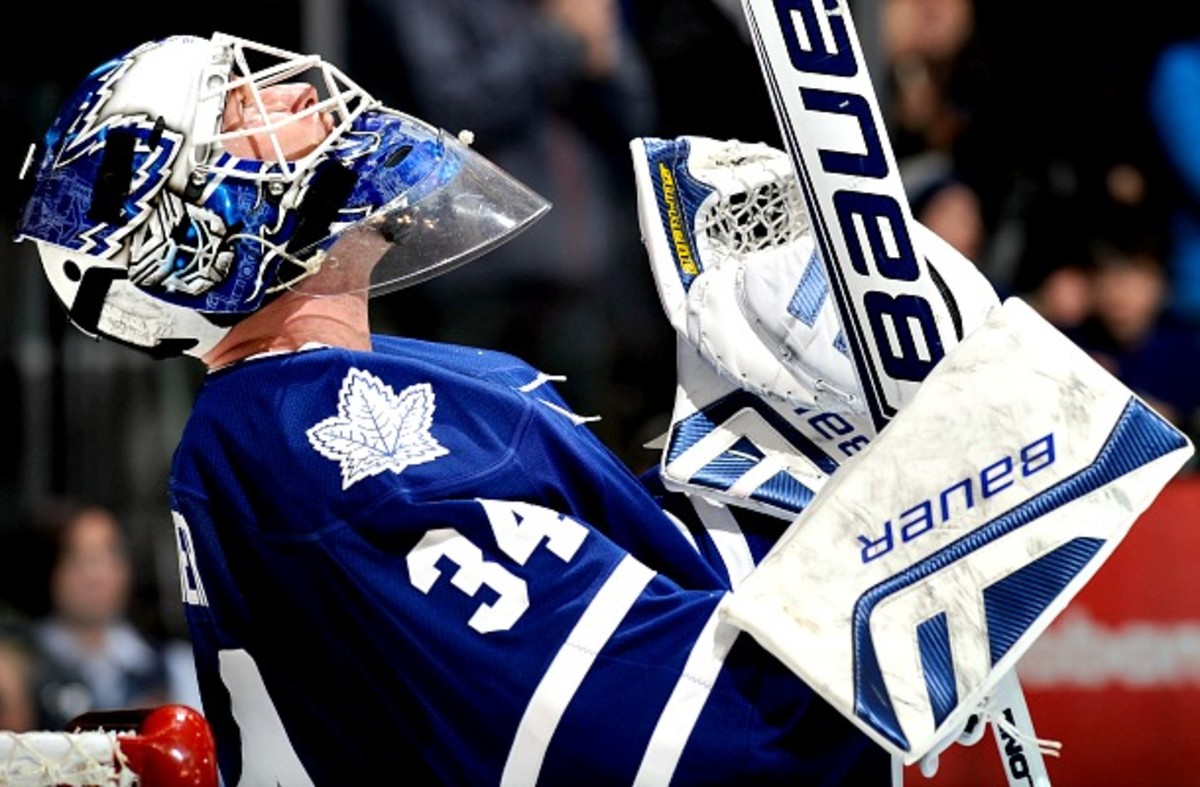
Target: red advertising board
(1116,678)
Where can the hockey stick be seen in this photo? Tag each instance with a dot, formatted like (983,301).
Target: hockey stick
(896,319)
(894,314)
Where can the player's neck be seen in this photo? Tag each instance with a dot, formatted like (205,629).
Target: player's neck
(293,321)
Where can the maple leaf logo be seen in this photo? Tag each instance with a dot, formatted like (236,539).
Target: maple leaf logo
(376,429)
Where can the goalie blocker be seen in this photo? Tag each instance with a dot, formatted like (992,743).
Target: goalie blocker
(918,576)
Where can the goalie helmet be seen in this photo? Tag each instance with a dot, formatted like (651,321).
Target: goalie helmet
(187,182)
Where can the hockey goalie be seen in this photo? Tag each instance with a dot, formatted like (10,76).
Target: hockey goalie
(403,560)
(400,561)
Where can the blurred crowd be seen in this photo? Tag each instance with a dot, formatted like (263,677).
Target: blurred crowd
(1056,147)
(74,637)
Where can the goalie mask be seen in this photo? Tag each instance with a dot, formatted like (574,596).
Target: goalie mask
(189,181)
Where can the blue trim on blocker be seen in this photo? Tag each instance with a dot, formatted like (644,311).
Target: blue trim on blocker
(702,423)
(1012,604)
(783,490)
(747,449)
(937,662)
(729,466)
(1139,437)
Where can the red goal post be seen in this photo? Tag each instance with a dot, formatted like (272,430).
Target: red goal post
(165,746)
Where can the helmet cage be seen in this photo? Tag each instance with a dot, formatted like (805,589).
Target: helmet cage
(248,65)
(153,232)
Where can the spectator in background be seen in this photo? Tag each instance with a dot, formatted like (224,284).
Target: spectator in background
(18,705)
(1064,296)
(552,91)
(952,209)
(88,631)
(1133,332)
(1174,108)
(933,87)
(36,693)
(925,43)
(704,69)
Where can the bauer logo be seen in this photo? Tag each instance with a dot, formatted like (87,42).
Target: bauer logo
(675,224)
(891,308)
(960,496)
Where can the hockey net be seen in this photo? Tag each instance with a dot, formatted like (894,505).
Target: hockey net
(167,746)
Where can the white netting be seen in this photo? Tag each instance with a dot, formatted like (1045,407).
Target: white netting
(762,208)
(48,759)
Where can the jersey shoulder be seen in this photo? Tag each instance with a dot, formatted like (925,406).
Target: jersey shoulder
(334,424)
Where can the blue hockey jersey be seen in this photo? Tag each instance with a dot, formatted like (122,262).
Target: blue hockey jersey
(418,566)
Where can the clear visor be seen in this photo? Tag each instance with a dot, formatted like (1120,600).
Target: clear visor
(462,209)
(290,110)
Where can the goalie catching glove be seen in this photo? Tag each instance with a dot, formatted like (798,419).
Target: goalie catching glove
(740,277)
(767,404)
(726,231)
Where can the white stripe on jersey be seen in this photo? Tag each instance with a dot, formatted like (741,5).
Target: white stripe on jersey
(568,669)
(687,700)
(727,537)
(682,528)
